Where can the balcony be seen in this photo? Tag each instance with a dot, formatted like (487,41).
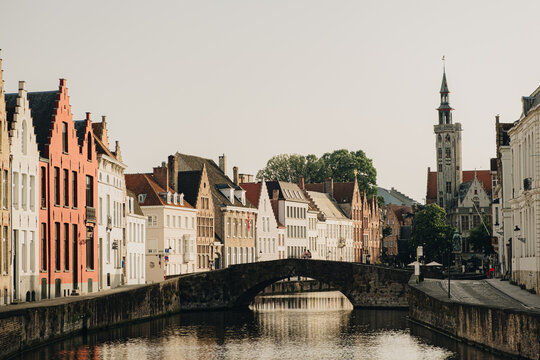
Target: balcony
(90,214)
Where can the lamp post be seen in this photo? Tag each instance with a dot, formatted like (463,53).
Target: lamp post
(456,248)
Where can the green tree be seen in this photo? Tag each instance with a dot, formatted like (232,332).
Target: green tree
(430,230)
(340,165)
(480,237)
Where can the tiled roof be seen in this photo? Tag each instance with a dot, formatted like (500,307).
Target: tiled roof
(43,106)
(326,205)
(253,192)
(343,191)
(287,191)
(468,175)
(145,184)
(400,211)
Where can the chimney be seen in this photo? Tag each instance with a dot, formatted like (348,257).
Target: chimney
(275,194)
(161,176)
(235,175)
(223,163)
(22,85)
(87,116)
(172,167)
(328,186)
(301,182)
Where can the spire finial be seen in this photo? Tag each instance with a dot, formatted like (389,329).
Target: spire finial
(444,64)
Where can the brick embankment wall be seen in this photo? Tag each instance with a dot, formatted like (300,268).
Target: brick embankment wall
(28,326)
(511,332)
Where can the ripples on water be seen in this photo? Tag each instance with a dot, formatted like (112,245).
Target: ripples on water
(303,326)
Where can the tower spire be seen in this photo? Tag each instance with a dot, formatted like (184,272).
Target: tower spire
(445,111)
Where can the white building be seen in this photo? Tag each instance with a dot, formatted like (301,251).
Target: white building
(525,202)
(292,213)
(339,228)
(25,197)
(111,203)
(171,228)
(135,241)
(266,244)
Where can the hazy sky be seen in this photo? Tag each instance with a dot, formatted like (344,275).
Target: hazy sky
(253,78)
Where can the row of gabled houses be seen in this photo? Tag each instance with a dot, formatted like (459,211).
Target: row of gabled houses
(73,221)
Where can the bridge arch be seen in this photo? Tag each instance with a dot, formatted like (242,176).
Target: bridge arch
(236,286)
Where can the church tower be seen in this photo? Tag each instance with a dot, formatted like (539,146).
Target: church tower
(448,151)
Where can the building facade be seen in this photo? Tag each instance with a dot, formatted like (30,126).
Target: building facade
(5,209)
(25,197)
(171,229)
(135,241)
(267,244)
(525,202)
(68,196)
(111,204)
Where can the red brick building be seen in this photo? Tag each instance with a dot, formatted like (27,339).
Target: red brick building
(68,193)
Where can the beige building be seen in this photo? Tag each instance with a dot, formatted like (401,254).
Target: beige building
(234,215)
(5,201)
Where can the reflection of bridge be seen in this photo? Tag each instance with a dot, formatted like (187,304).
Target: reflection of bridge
(236,286)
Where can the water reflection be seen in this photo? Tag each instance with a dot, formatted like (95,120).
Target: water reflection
(279,327)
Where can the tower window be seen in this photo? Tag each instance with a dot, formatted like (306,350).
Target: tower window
(448,153)
(447,138)
(439,153)
(448,187)
(439,167)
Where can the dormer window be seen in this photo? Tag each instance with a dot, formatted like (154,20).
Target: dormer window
(141,198)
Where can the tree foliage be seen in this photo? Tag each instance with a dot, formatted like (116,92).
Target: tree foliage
(429,229)
(480,238)
(339,165)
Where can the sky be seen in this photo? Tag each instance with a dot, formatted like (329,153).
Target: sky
(253,79)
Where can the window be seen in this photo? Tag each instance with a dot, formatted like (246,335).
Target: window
(74,188)
(56,186)
(229,227)
(66,187)
(43,246)
(16,190)
(439,153)
(24,136)
(439,167)
(89,155)
(152,220)
(465,223)
(89,191)
(235,228)
(90,249)
(5,190)
(448,153)
(32,252)
(57,246)
(5,249)
(64,137)
(448,187)
(24,196)
(32,192)
(43,187)
(66,246)
(100,210)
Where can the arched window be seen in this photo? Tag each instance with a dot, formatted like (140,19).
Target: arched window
(447,138)
(89,146)
(439,138)
(24,134)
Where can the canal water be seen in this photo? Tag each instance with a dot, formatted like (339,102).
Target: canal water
(300,326)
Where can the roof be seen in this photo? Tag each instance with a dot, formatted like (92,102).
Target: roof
(11,104)
(188,184)
(468,175)
(444,85)
(43,106)
(343,191)
(287,191)
(326,205)
(400,211)
(395,197)
(146,184)
(253,192)
(136,207)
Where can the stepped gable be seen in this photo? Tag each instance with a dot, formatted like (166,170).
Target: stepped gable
(43,106)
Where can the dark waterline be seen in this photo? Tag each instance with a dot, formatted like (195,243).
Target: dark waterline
(311,326)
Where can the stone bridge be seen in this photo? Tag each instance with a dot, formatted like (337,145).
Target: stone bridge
(366,286)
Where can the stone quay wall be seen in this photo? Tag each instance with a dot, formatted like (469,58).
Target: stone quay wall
(511,332)
(38,323)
